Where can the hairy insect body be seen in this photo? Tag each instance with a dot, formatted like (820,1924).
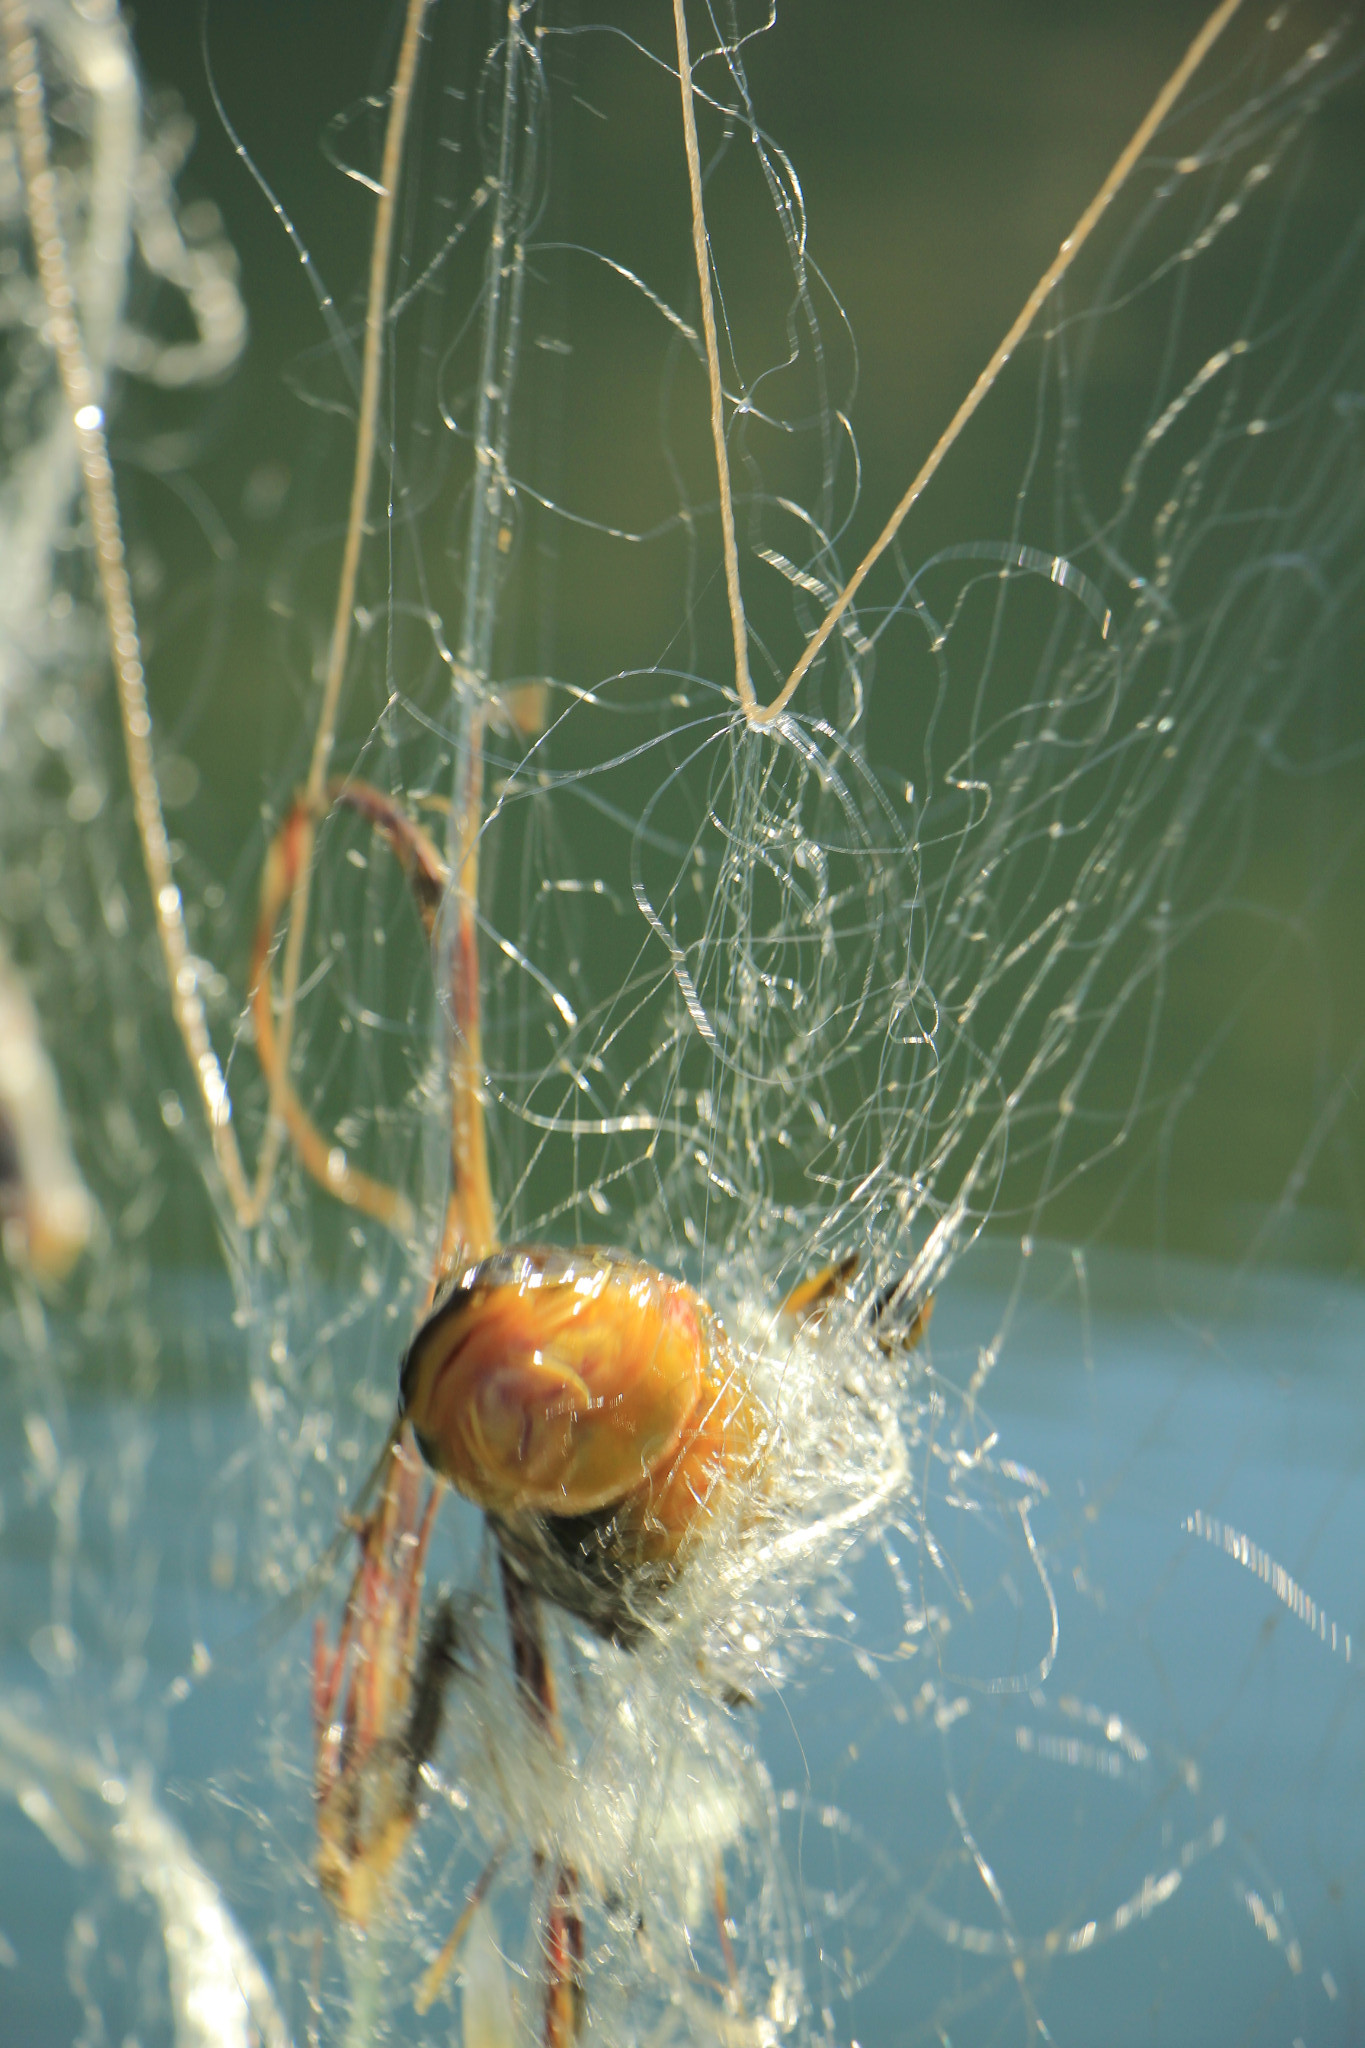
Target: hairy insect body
(594,1407)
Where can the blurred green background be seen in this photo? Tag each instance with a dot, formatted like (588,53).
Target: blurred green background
(942,153)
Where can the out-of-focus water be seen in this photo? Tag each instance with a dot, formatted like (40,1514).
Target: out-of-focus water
(1252,1728)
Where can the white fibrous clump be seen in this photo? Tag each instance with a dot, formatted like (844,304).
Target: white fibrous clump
(650,1788)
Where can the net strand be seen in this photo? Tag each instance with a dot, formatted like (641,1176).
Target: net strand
(702,251)
(471,1223)
(1037,298)
(97,476)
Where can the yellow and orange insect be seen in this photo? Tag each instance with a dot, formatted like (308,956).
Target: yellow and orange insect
(594,1408)
(592,1405)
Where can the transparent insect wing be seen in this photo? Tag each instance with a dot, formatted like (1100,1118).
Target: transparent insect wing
(372,1707)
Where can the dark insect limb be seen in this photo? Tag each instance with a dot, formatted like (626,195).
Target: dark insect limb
(808,1301)
(469,1228)
(895,1319)
(564,1994)
(425,871)
(413,850)
(530,1660)
(889,1313)
(437,1664)
(591,1566)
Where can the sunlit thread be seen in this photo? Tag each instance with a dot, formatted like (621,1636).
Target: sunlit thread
(1240,1548)
(87,418)
(763,714)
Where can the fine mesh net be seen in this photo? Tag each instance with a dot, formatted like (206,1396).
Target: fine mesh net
(1009,1689)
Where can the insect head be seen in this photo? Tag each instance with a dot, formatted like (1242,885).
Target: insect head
(594,1408)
